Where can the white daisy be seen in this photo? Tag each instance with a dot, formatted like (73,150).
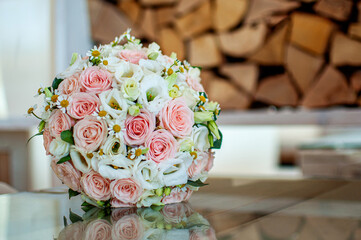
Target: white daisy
(100,113)
(137,153)
(63,102)
(116,128)
(95,52)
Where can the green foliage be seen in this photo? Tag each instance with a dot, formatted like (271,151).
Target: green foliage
(72,193)
(56,83)
(64,159)
(197,183)
(218,143)
(67,136)
(74,217)
(38,134)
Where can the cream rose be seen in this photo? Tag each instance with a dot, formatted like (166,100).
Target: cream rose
(58,122)
(95,80)
(194,80)
(95,186)
(67,174)
(130,89)
(127,71)
(82,105)
(200,138)
(115,168)
(59,148)
(98,229)
(162,145)
(90,133)
(114,146)
(126,190)
(177,117)
(139,128)
(151,66)
(70,85)
(128,227)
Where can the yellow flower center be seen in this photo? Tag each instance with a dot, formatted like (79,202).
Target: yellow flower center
(115,167)
(194,155)
(170,71)
(40,91)
(138,152)
(117,128)
(95,53)
(216,112)
(181,69)
(30,110)
(201,107)
(89,155)
(105,62)
(47,107)
(101,153)
(130,157)
(64,103)
(202,98)
(176,86)
(102,113)
(54,98)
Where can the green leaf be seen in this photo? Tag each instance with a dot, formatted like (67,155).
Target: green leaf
(67,136)
(197,183)
(74,57)
(74,217)
(72,193)
(157,207)
(38,134)
(171,80)
(64,159)
(56,83)
(218,143)
(65,221)
(41,126)
(200,68)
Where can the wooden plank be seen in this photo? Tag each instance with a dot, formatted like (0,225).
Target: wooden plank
(336,9)
(345,51)
(227,14)
(243,41)
(148,24)
(164,16)
(170,41)
(203,51)
(185,6)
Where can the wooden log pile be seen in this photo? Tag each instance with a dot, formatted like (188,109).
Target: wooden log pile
(254,53)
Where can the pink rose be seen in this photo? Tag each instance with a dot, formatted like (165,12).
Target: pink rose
(128,227)
(177,196)
(118,213)
(95,186)
(132,56)
(174,213)
(82,105)
(70,85)
(116,203)
(210,162)
(73,231)
(95,80)
(177,117)
(47,138)
(98,229)
(126,190)
(67,174)
(90,133)
(194,84)
(58,122)
(162,145)
(139,128)
(201,234)
(197,167)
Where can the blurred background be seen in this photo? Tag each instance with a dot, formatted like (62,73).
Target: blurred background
(286,73)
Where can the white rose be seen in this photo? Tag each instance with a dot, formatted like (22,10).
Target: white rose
(200,138)
(130,89)
(174,171)
(150,66)
(114,146)
(80,160)
(127,70)
(114,104)
(148,198)
(147,174)
(59,148)
(191,97)
(153,93)
(117,167)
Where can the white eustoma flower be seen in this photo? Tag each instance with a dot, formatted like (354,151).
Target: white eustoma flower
(200,138)
(114,104)
(153,93)
(127,70)
(150,218)
(80,160)
(116,167)
(77,66)
(148,199)
(147,174)
(111,63)
(130,89)
(114,146)
(59,148)
(174,171)
(150,66)
(191,97)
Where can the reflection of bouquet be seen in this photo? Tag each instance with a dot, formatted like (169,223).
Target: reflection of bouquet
(173,221)
(129,126)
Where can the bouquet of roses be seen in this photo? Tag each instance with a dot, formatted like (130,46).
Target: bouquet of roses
(174,221)
(129,126)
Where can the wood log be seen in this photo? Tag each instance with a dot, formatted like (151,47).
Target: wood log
(243,75)
(157,2)
(330,89)
(336,9)
(170,41)
(311,32)
(131,8)
(359,11)
(243,41)
(345,51)
(227,95)
(195,22)
(206,78)
(227,14)
(274,20)
(356,81)
(354,30)
(203,51)
(277,90)
(147,24)
(164,16)
(272,52)
(302,67)
(185,6)
(259,9)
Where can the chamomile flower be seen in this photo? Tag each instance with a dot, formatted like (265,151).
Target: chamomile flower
(116,128)
(137,153)
(100,113)
(40,91)
(62,103)
(95,52)
(31,110)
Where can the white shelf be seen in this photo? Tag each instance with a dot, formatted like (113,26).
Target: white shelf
(18,123)
(333,116)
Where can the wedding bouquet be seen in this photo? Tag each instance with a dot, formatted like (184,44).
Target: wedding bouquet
(128,126)
(174,221)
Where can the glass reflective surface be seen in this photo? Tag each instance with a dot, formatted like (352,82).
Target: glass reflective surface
(226,209)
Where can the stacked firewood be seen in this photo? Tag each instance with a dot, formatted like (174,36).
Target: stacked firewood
(254,53)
